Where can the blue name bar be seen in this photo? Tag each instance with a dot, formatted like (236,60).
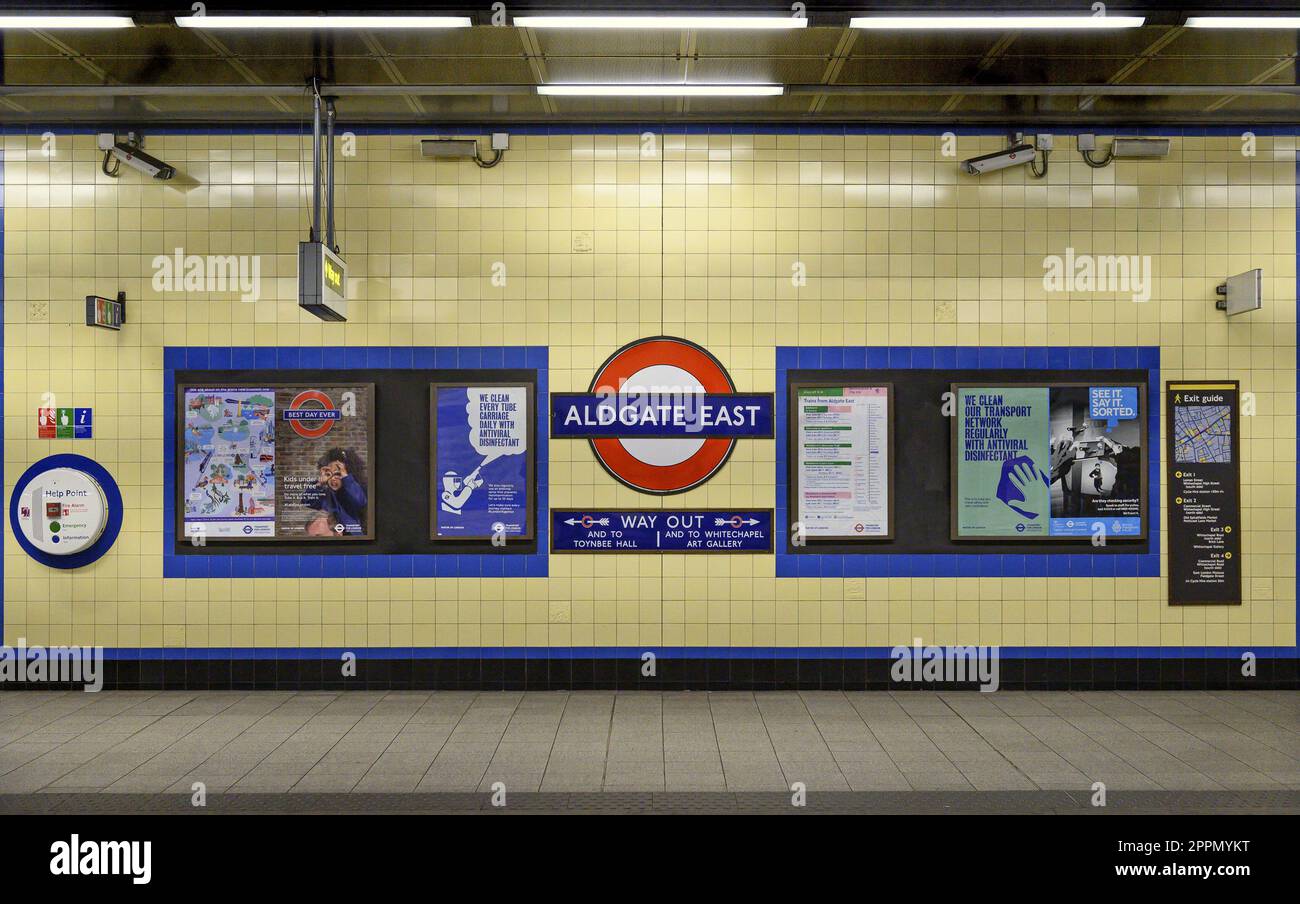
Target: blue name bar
(311,414)
(661,530)
(584,415)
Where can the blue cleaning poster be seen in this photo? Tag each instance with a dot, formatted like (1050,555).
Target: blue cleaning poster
(481,480)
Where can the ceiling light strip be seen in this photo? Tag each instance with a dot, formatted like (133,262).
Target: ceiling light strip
(322,22)
(69,21)
(661,22)
(646,90)
(1004,23)
(1282,22)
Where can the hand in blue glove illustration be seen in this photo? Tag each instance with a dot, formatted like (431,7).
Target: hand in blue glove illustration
(1023,487)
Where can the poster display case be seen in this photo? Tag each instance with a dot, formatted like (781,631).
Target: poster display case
(1049,461)
(842,460)
(482,461)
(275,461)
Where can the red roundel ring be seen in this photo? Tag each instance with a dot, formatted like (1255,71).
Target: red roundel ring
(299,401)
(622,462)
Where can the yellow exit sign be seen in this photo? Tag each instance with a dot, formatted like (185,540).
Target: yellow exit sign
(334,276)
(322,281)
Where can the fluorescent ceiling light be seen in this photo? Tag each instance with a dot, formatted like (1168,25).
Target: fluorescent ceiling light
(1243,22)
(583,21)
(323,22)
(643,90)
(50,22)
(996,22)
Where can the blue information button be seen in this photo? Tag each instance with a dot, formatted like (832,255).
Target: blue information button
(82,423)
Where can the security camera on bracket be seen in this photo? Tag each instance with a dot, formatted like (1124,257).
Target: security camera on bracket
(118,152)
(1018,152)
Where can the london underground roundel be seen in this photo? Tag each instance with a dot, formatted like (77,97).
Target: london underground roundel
(311,414)
(662,465)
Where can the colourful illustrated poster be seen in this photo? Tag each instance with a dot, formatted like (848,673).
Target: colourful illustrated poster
(228,444)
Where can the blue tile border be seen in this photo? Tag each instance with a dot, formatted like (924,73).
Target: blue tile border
(297,565)
(1056,563)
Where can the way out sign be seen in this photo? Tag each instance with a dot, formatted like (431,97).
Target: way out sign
(661,530)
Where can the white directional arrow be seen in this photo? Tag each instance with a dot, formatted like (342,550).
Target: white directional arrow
(727,522)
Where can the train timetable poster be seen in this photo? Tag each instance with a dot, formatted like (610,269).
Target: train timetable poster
(276,462)
(482,478)
(843,461)
(1049,461)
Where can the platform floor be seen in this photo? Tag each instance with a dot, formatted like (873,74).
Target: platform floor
(1050,746)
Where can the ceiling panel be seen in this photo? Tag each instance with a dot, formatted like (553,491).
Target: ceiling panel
(865,69)
(162,55)
(600,43)
(467,42)
(465,71)
(1211,70)
(814,42)
(613,69)
(1219,42)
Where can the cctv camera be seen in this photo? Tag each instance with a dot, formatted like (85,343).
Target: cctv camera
(138,159)
(132,156)
(1012,156)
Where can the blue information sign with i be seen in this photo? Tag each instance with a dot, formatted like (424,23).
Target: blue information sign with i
(82,423)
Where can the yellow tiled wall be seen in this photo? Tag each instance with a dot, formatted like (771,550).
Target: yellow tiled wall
(694,236)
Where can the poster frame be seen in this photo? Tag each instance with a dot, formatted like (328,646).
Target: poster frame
(954,490)
(275,386)
(530,386)
(792,456)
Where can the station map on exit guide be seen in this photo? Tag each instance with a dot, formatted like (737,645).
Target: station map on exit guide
(1203,433)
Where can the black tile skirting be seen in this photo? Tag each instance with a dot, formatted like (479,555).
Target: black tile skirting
(672,675)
